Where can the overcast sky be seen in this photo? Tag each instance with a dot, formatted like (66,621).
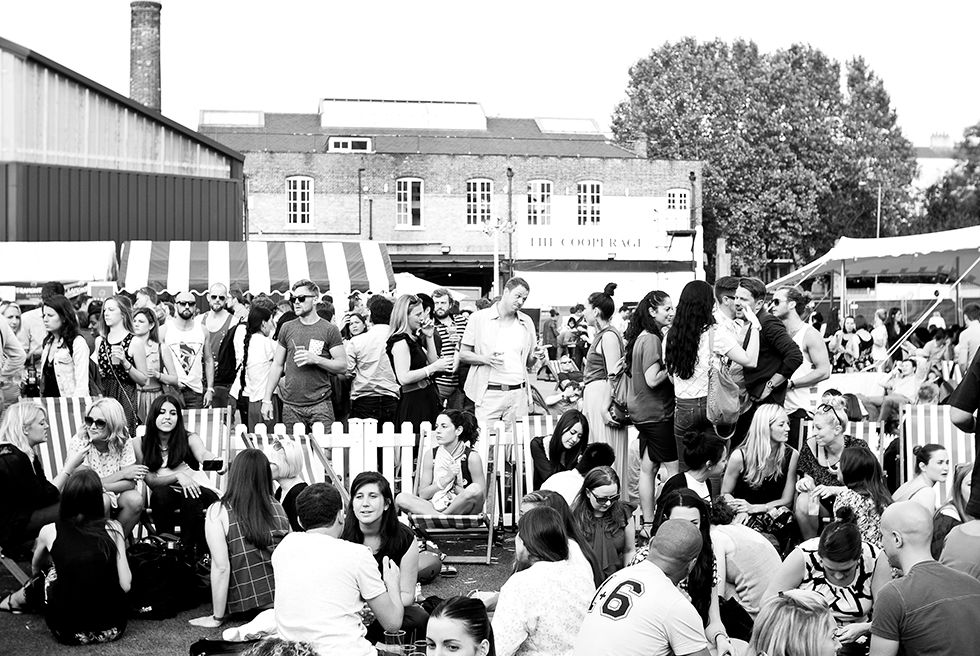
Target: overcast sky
(525,58)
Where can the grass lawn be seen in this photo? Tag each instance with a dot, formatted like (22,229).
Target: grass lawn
(29,635)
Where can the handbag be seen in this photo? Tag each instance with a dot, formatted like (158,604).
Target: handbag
(723,395)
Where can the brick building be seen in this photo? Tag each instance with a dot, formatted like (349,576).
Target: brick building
(427,178)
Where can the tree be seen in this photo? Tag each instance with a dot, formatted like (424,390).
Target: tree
(784,149)
(954,201)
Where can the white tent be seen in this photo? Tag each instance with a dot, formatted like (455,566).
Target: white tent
(952,252)
(409,283)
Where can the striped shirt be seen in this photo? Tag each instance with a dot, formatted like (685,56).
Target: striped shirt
(449,380)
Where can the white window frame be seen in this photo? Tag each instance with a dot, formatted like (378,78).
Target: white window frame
(404,219)
(679,199)
(299,200)
(539,194)
(346,145)
(479,201)
(588,196)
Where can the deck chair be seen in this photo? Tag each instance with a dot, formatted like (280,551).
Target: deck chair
(14,569)
(397,452)
(931,424)
(531,427)
(65,417)
(429,526)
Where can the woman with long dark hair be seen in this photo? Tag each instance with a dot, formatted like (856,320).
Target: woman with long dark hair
(372,520)
(86,601)
(460,626)
(258,352)
(121,357)
(160,368)
(864,490)
(603,520)
(601,361)
(173,460)
(694,342)
(651,403)
(64,352)
(242,530)
(952,513)
(569,439)
(542,605)
(578,549)
(415,359)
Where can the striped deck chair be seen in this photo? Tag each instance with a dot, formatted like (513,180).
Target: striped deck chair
(529,428)
(397,451)
(930,424)
(65,418)
(430,525)
(319,449)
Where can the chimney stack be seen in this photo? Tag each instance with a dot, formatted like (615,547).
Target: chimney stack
(144,53)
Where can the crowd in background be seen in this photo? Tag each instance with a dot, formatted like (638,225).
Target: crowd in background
(695,497)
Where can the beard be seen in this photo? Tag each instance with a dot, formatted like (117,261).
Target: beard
(185,314)
(441,313)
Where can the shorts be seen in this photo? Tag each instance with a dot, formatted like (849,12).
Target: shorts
(657,440)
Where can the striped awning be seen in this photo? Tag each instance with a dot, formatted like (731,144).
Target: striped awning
(255,266)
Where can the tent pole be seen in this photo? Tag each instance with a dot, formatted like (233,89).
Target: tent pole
(925,315)
(843,294)
(957,312)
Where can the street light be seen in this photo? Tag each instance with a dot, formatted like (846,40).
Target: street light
(492,228)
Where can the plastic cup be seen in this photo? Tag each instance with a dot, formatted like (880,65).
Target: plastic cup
(813,508)
(395,642)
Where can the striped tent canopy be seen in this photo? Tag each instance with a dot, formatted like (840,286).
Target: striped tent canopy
(255,266)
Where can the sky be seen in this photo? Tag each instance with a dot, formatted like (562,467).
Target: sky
(522,59)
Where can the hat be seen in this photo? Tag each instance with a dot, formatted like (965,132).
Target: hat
(678,540)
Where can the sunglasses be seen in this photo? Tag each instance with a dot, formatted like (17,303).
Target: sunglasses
(602,501)
(826,407)
(302,298)
(186,303)
(215,297)
(98,423)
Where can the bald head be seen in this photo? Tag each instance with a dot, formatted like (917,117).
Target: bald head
(910,520)
(675,547)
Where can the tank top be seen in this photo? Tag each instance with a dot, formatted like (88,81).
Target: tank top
(595,361)
(797,398)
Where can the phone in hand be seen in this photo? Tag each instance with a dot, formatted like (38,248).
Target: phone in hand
(213,465)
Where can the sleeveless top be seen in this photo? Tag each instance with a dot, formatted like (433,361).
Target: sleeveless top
(110,371)
(464,465)
(595,361)
(86,596)
(153,362)
(847,604)
(252,584)
(797,398)
(416,355)
(770,489)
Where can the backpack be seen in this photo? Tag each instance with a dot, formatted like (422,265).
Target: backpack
(226,365)
(164,584)
(723,405)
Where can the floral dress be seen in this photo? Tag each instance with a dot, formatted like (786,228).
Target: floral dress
(116,382)
(868,519)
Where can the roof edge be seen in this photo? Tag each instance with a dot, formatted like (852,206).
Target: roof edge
(31,55)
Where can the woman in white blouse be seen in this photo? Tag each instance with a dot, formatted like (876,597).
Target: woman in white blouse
(255,352)
(542,605)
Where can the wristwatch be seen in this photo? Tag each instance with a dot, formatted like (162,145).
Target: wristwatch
(769,384)
(791,384)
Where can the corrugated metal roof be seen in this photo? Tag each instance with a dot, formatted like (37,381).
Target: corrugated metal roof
(503,136)
(30,55)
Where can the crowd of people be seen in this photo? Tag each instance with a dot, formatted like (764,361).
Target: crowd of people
(694,498)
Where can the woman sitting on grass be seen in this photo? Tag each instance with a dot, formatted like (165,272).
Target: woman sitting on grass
(452,480)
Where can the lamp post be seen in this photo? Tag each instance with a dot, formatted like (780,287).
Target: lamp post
(510,220)
(360,190)
(492,228)
(878,222)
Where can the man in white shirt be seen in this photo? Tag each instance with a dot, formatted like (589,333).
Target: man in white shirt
(969,337)
(190,348)
(374,390)
(901,388)
(639,611)
(322,581)
(568,483)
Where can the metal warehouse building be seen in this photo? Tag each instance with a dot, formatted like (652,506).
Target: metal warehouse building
(81,162)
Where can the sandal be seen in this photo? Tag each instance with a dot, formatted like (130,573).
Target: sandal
(6,604)
(448,571)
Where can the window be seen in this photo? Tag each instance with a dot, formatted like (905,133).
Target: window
(677,199)
(478,196)
(539,202)
(589,195)
(299,199)
(349,145)
(408,203)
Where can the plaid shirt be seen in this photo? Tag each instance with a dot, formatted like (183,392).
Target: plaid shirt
(252,584)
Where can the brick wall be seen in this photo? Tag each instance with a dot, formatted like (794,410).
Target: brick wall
(633,189)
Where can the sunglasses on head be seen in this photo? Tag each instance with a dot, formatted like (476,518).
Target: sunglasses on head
(302,298)
(826,407)
(604,500)
(216,297)
(98,423)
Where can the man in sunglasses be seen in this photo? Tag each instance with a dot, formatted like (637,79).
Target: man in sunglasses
(309,350)
(218,321)
(190,346)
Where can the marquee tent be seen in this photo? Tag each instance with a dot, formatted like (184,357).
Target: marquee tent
(952,252)
(256,266)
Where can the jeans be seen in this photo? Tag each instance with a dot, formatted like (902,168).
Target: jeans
(689,415)
(308,415)
(192,400)
(167,501)
(381,408)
